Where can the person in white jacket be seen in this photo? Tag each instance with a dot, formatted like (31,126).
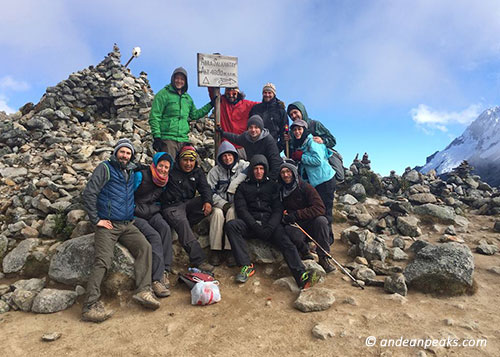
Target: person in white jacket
(224,179)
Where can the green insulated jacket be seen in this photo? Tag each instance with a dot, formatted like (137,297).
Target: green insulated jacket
(170,113)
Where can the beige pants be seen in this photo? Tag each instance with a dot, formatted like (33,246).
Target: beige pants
(217,221)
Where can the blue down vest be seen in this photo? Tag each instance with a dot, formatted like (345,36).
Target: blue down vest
(116,199)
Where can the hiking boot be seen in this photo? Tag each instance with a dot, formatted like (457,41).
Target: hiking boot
(306,256)
(308,279)
(205,267)
(165,280)
(96,313)
(246,272)
(325,264)
(160,290)
(146,299)
(230,261)
(215,257)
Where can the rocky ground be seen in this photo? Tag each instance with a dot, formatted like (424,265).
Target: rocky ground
(424,247)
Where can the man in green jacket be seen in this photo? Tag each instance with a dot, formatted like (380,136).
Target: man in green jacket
(172,108)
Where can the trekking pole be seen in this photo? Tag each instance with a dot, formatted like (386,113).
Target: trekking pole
(287,145)
(344,270)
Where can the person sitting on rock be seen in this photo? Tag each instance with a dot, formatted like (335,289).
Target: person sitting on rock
(314,168)
(108,199)
(149,185)
(259,213)
(257,140)
(224,179)
(303,206)
(181,208)
(172,107)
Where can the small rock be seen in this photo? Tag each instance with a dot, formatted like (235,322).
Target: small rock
(315,299)
(396,297)
(52,336)
(399,242)
(397,254)
(287,282)
(52,300)
(361,260)
(396,284)
(4,307)
(23,299)
(322,332)
(350,301)
(363,273)
(487,249)
(450,230)
(494,270)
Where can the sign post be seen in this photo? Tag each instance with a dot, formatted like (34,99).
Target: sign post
(219,72)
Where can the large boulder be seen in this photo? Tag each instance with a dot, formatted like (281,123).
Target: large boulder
(52,300)
(435,213)
(15,260)
(446,269)
(73,260)
(315,299)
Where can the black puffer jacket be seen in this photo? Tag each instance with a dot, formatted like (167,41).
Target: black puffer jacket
(258,200)
(274,117)
(182,186)
(147,196)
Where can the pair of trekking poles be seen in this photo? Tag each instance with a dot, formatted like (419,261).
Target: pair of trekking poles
(344,270)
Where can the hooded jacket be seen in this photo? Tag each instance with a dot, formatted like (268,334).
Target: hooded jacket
(263,145)
(275,119)
(258,200)
(316,128)
(147,194)
(304,200)
(171,111)
(182,186)
(234,116)
(314,166)
(219,178)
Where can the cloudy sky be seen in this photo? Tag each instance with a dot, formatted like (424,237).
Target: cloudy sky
(396,79)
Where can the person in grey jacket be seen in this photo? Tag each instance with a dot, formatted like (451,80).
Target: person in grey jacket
(108,199)
(224,179)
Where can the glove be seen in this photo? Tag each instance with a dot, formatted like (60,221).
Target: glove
(226,208)
(218,129)
(213,100)
(157,144)
(297,155)
(290,218)
(267,231)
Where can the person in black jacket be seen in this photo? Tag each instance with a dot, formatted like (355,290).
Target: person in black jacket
(259,213)
(257,140)
(273,114)
(304,206)
(149,184)
(182,209)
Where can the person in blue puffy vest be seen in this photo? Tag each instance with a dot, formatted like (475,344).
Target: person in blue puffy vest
(108,199)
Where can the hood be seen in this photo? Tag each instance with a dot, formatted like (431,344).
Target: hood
(299,106)
(262,135)
(158,155)
(184,72)
(257,160)
(293,168)
(224,147)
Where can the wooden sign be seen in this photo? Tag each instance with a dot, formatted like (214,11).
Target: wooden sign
(217,71)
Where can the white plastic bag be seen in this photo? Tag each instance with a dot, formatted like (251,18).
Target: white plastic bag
(205,293)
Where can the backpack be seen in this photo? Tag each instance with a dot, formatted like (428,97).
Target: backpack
(335,160)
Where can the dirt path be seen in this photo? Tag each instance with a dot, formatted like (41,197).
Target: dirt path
(243,323)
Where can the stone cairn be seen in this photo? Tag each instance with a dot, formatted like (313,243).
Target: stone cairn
(49,150)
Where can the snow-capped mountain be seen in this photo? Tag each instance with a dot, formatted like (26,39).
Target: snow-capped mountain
(479,145)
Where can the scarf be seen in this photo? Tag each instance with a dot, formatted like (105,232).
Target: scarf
(158,179)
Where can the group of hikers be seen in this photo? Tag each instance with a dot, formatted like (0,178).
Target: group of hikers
(251,192)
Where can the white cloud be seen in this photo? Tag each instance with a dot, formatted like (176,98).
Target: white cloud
(434,119)
(4,107)
(9,83)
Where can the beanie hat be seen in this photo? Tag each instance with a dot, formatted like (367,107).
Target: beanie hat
(299,122)
(189,152)
(124,143)
(257,121)
(270,87)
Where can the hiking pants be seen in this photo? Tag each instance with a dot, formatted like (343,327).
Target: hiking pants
(104,242)
(157,232)
(218,240)
(181,217)
(238,232)
(316,228)
(172,147)
(326,191)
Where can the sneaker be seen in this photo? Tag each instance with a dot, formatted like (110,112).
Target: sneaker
(215,257)
(325,264)
(160,290)
(205,267)
(246,272)
(146,299)
(96,313)
(165,280)
(308,279)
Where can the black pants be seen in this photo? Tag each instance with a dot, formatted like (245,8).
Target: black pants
(181,217)
(157,232)
(238,231)
(326,191)
(317,228)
